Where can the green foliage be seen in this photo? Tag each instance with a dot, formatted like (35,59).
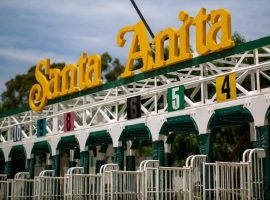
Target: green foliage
(183,146)
(238,38)
(17,88)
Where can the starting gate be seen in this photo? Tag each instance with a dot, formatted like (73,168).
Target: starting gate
(231,180)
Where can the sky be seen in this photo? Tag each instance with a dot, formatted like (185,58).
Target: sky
(61,30)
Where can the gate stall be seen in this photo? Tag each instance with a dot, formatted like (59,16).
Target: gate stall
(231,180)
(196,180)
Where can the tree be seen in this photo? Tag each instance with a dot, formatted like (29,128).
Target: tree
(17,88)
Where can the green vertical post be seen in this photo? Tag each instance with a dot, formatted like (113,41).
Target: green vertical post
(130,163)
(167,159)
(48,167)
(99,163)
(119,157)
(7,169)
(158,151)
(205,145)
(31,167)
(84,161)
(56,166)
(263,141)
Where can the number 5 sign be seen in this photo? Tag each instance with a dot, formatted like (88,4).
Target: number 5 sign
(68,122)
(226,87)
(175,98)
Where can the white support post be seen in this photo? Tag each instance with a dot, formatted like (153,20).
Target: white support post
(55,119)
(30,124)
(84,113)
(9,131)
(252,132)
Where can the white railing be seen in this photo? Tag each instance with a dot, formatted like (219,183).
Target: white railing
(196,180)
(3,186)
(232,180)
(82,186)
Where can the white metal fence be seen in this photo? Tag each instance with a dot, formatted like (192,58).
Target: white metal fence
(82,186)
(3,186)
(232,180)
(49,186)
(196,180)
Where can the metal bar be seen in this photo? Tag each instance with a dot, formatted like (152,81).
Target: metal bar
(142,18)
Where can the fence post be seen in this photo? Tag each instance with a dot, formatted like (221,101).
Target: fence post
(263,141)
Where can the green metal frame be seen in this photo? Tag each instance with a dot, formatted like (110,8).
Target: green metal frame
(179,124)
(41,145)
(17,148)
(99,138)
(171,68)
(138,131)
(235,115)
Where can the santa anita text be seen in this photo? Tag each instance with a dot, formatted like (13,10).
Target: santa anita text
(87,72)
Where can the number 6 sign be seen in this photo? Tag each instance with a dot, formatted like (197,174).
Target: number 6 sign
(134,107)
(68,122)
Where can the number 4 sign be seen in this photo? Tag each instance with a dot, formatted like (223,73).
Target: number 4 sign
(176,98)
(226,87)
(69,122)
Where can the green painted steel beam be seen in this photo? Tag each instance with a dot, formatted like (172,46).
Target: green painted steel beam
(231,116)
(166,69)
(135,132)
(99,138)
(41,147)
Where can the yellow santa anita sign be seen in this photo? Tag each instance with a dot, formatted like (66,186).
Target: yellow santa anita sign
(53,83)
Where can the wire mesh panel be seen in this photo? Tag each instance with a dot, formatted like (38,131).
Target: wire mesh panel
(126,185)
(174,183)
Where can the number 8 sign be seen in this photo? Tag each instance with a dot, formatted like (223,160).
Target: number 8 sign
(68,122)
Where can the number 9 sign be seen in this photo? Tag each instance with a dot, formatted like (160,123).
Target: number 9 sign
(41,127)
(226,87)
(69,122)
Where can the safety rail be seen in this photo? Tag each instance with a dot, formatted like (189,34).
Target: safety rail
(195,162)
(235,180)
(3,185)
(21,187)
(196,180)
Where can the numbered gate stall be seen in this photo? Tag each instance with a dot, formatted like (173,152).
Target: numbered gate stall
(49,186)
(82,186)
